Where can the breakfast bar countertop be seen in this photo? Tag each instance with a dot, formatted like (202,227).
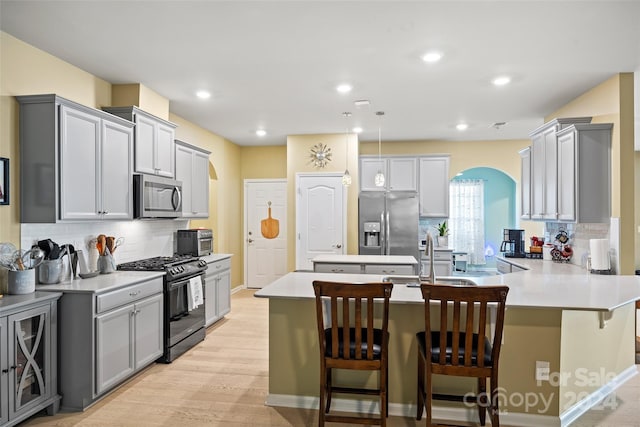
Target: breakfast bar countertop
(545,285)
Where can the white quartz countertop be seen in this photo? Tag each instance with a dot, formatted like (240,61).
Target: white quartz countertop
(102,282)
(215,257)
(544,285)
(366,259)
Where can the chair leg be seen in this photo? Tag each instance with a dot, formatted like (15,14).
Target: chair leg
(329,390)
(429,395)
(481,400)
(494,409)
(384,402)
(386,387)
(323,393)
(420,393)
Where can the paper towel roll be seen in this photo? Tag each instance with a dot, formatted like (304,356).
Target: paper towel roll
(599,249)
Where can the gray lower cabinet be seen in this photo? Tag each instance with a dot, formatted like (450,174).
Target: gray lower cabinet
(127,339)
(107,338)
(28,356)
(363,268)
(328,267)
(217,292)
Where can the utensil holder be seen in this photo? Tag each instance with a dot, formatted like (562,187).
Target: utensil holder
(106,264)
(21,281)
(50,271)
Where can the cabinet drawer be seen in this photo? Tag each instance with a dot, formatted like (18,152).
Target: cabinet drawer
(389,269)
(440,256)
(127,295)
(336,268)
(216,266)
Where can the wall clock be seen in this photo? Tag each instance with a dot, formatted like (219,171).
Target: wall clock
(320,155)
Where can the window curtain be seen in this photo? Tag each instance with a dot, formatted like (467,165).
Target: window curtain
(466,218)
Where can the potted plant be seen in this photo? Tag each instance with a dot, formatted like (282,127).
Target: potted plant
(443,234)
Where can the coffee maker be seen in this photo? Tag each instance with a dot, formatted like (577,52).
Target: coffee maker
(513,243)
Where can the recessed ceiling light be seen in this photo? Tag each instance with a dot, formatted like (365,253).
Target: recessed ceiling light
(462,126)
(432,57)
(357,130)
(203,94)
(344,88)
(261,132)
(362,103)
(502,80)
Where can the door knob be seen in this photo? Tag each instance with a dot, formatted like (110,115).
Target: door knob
(250,240)
(338,246)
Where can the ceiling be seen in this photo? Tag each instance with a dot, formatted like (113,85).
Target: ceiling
(275,65)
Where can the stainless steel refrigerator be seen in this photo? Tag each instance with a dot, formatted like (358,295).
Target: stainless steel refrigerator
(388,223)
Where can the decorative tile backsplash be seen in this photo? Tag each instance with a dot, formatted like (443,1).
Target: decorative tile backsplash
(142,238)
(579,236)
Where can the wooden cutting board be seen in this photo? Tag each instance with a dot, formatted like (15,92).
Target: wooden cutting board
(270,227)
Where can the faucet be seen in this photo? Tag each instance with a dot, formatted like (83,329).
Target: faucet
(428,251)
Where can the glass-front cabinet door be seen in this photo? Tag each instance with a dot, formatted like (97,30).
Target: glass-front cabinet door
(28,360)
(4,372)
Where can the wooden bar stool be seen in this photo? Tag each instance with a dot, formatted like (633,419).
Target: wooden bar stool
(349,340)
(463,348)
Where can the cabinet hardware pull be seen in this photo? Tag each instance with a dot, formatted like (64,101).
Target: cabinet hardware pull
(4,371)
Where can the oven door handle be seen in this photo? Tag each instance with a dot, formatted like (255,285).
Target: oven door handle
(176,285)
(185,282)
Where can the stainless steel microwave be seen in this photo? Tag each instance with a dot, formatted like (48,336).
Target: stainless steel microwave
(156,197)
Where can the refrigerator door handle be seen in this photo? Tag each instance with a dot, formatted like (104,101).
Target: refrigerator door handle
(383,240)
(388,230)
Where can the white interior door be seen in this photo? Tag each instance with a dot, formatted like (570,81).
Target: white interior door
(321,215)
(265,259)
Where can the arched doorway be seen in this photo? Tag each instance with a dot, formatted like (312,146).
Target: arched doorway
(499,208)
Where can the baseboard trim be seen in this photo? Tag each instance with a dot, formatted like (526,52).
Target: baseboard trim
(467,415)
(572,414)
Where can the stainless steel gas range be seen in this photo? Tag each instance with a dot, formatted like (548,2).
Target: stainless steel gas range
(183,328)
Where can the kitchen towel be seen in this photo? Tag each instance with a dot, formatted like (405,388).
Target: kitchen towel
(599,249)
(194,293)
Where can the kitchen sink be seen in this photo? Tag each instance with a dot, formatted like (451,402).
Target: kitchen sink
(414,281)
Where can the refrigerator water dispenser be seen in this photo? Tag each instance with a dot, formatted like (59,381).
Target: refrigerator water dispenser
(371,233)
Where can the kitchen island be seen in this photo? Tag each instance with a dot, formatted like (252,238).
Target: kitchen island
(583,325)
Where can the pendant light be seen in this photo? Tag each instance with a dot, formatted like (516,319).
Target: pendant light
(346,178)
(379,178)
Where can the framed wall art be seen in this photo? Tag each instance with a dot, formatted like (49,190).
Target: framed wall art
(4,181)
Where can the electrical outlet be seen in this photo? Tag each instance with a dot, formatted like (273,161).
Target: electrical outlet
(542,370)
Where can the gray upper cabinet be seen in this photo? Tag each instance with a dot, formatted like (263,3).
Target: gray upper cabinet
(544,167)
(584,173)
(192,168)
(154,141)
(76,162)
(525,183)
(400,173)
(434,186)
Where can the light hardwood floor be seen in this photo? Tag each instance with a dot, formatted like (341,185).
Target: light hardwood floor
(223,381)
